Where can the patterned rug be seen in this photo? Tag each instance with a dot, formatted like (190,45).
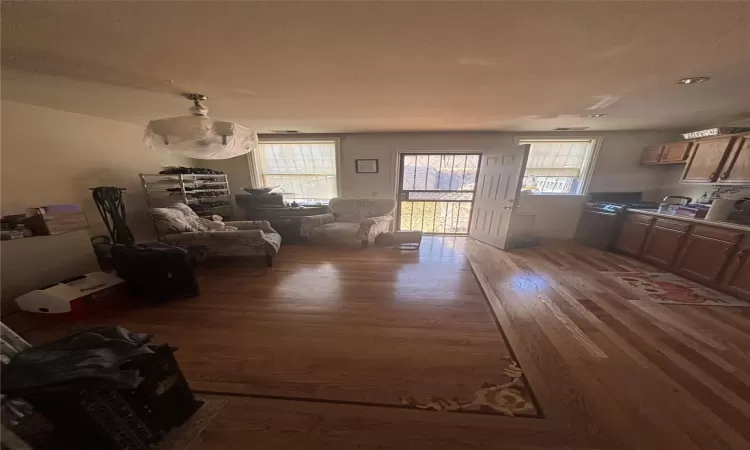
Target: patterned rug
(511,398)
(672,289)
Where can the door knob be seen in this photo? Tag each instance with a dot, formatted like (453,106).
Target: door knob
(508,207)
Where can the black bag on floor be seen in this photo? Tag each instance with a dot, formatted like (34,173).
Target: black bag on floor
(156,271)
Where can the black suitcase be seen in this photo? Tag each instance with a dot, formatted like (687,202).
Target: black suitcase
(156,271)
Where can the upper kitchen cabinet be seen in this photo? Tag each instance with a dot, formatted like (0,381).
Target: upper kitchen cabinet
(675,152)
(736,168)
(707,159)
(651,154)
(672,153)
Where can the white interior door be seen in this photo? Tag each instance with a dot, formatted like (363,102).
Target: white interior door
(497,194)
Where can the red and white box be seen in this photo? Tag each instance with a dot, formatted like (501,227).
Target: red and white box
(75,297)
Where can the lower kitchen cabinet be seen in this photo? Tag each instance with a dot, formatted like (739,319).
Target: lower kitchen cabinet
(710,254)
(737,280)
(704,259)
(632,237)
(662,246)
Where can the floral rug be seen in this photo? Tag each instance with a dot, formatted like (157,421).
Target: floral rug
(511,398)
(672,289)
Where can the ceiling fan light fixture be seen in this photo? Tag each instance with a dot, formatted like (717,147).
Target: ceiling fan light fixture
(197,136)
(693,80)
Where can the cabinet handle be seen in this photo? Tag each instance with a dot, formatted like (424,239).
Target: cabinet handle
(724,175)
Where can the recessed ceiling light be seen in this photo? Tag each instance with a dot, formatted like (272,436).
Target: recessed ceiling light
(596,115)
(693,80)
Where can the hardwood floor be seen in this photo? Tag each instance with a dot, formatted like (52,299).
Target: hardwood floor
(315,350)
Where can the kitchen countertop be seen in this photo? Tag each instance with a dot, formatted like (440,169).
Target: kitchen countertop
(731,225)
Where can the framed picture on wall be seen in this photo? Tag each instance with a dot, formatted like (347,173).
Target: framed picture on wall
(366,165)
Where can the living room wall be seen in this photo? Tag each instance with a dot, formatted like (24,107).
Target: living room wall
(617,168)
(51,157)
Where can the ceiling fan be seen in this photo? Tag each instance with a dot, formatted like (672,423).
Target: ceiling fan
(198,136)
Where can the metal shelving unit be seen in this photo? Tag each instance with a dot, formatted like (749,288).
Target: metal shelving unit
(164,189)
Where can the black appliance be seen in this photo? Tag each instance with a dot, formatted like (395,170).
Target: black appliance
(603,216)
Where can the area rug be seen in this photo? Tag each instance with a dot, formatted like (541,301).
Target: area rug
(511,398)
(179,438)
(672,289)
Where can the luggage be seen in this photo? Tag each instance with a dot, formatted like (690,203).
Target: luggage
(101,388)
(156,271)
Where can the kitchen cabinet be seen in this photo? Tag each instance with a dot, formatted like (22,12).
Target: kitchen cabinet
(633,236)
(738,275)
(662,246)
(651,155)
(707,159)
(707,252)
(675,152)
(736,168)
(704,259)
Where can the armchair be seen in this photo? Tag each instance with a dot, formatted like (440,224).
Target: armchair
(350,219)
(178,225)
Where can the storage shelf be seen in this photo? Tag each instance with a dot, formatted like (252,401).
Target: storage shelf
(185,185)
(187,191)
(202,199)
(184,175)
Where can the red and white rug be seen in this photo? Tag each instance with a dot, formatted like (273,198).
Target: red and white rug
(672,289)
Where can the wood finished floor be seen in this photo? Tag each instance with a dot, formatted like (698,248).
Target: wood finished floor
(608,372)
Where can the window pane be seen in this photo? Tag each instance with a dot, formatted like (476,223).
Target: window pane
(441,195)
(302,158)
(556,167)
(435,217)
(305,171)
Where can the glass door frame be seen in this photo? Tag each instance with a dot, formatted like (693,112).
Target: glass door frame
(403,195)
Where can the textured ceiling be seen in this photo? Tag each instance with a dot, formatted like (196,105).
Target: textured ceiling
(355,66)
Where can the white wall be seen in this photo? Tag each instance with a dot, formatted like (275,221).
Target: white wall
(617,168)
(52,157)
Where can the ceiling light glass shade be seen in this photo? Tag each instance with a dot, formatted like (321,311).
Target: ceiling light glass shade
(199,137)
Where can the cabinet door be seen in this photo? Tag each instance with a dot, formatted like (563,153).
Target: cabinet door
(651,154)
(706,160)
(704,259)
(632,237)
(736,169)
(662,246)
(738,275)
(676,152)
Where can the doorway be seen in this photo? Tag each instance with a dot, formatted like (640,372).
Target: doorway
(436,192)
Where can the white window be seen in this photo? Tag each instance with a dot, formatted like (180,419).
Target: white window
(304,170)
(558,167)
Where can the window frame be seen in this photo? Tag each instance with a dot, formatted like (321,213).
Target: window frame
(255,160)
(587,169)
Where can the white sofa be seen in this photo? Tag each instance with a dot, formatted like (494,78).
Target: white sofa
(350,220)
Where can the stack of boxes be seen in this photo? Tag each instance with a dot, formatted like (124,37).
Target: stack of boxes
(55,219)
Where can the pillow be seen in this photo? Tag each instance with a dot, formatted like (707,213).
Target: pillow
(177,218)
